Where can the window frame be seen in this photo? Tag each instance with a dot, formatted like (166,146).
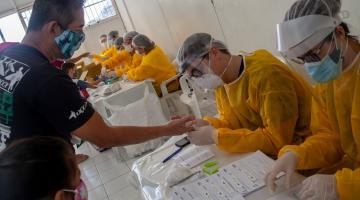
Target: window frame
(113,4)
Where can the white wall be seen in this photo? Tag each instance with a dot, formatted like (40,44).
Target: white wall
(93,32)
(146,17)
(242,24)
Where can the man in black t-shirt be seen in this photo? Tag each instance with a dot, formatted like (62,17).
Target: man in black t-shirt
(37,99)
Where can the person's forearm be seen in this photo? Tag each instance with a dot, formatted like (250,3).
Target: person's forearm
(74,60)
(125,135)
(94,83)
(97,132)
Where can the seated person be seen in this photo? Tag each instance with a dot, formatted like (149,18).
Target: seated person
(262,104)
(135,58)
(48,171)
(119,44)
(103,41)
(59,62)
(70,69)
(331,56)
(120,59)
(104,46)
(154,65)
(112,36)
(126,59)
(107,42)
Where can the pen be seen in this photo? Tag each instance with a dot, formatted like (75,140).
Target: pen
(172,155)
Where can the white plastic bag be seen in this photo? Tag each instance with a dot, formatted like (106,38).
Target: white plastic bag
(144,112)
(110,89)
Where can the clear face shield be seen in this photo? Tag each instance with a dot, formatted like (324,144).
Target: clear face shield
(198,69)
(298,36)
(300,39)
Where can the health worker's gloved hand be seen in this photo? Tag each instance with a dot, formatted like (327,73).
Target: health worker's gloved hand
(319,186)
(204,135)
(286,163)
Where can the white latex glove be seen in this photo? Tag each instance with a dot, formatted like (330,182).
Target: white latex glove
(198,123)
(319,187)
(286,163)
(203,136)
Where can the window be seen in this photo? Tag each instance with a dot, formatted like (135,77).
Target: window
(11,28)
(26,16)
(95,11)
(2,38)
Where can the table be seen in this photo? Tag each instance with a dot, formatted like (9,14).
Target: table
(148,173)
(97,97)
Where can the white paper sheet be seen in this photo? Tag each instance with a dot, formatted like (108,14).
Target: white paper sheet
(232,182)
(287,195)
(194,156)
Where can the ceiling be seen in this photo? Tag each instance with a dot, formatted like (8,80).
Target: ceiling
(7,6)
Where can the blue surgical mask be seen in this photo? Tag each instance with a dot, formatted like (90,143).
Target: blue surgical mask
(328,69)
(69,42)
(110,42)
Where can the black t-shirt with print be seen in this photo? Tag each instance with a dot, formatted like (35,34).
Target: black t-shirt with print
(37,99)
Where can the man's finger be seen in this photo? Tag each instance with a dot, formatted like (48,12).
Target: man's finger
(175,117)
(270,179)
(288,180)
(188,118)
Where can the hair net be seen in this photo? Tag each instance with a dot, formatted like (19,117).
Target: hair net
(130,35)
(114,34)
(306,24)
(119,41)
(143,41)
(313,7)
(195,47)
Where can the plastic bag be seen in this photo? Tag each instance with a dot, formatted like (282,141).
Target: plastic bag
(144,112)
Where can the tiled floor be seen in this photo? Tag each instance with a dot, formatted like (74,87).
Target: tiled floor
(105,177)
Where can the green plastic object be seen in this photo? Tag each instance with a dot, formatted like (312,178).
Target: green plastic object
(211,167)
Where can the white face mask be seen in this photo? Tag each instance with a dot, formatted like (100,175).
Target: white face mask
(103,45)
(128,48)
(210,80)
(110,42)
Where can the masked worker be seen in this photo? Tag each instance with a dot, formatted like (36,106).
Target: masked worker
(119,44)
(124,60)
(263,105)
(107,43)
(154,65)
(103,41)
(119,58)
(112,36)
(331,57)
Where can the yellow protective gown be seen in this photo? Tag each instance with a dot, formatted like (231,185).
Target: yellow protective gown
(108,53)
(135,62)
(121,62)
(154,65)
(120,59)
(265,109)
(335,126)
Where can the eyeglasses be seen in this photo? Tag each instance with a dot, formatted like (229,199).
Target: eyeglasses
(195,72)
(311,56)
